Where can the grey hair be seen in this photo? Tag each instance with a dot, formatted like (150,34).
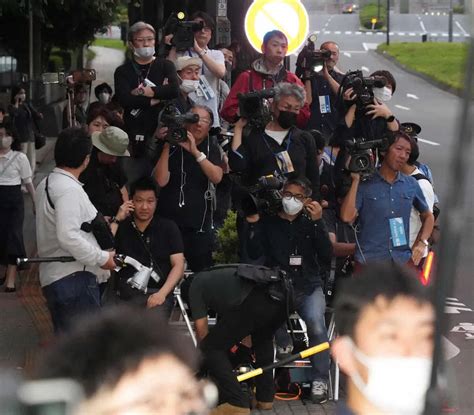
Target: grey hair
(286,89)
(137,27)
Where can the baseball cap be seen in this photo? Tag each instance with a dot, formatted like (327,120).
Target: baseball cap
(112,141)
(184,61)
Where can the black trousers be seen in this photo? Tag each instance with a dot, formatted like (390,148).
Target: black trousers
(259,316)
(197,248)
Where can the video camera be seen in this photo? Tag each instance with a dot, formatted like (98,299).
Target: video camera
(182,31)
(175,122)
(362,86)
(78,76)
(264,197)
(311,59)
(255,107)
(361,157)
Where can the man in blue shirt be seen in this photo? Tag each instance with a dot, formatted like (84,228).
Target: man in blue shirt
(383,204)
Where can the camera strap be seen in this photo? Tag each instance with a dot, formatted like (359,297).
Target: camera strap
(147,249)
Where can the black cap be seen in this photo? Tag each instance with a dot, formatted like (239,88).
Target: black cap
(410,128)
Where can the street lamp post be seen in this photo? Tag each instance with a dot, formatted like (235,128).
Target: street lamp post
(450,24)
(388,22)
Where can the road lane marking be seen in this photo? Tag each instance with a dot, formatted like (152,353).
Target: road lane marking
(364,68)
(358,33)
(337,32)
(413,96)
(347,54)
(402,107)
(369,46)
(355,51)
(460,27)
(449,348)
(348,32)
(411,34)
(428,142)
(401,33)
(380,33)
(422,25)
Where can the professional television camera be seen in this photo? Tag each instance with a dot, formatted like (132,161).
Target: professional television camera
(311,59)
(362,86)
(264,197)
(255,107)
(175,121)
(182,31)
(361,155)
(78,76)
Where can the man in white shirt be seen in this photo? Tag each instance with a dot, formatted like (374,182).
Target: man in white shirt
(410,169)
(63,207)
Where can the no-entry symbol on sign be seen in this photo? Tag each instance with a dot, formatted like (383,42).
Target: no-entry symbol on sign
(288,16)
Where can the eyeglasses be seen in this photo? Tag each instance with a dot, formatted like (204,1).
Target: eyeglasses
(206,121)
(289,195)
(144,39)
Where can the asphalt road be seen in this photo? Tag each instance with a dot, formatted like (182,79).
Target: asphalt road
(438,113)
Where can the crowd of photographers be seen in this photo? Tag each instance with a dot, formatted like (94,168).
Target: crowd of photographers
(323,177)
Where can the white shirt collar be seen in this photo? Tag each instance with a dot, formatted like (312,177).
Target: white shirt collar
(66,173)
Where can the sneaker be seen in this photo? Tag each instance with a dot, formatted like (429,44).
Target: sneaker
(319,391)
(283,352)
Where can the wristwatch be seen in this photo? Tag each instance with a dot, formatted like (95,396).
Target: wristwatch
(391,118)
(114,219)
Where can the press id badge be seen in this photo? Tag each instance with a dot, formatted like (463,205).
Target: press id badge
(397,230)
(204,89)
(324,104)
(284,162)
(296,261)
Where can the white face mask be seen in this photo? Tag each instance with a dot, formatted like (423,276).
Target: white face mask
(189,85)
(144,53)
(383,94)
(6,142)
(292,206)
(104,97)
(396,385)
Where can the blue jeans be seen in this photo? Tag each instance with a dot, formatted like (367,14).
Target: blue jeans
(312,311)
(72,296)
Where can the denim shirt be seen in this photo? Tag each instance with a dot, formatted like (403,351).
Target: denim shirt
(378,201)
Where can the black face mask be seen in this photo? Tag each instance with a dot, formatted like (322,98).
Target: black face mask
(287,119)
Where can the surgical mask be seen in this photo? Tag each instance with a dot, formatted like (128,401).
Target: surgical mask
(6,142)
(395,385)
(383,94)
(189,85)
(104,97)
(292,206)
(287,119)
(145,52)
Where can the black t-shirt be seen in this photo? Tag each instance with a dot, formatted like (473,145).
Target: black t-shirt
(256,157)
(324,120)
(102,183)
(219,290)
(163,239)
(184,199)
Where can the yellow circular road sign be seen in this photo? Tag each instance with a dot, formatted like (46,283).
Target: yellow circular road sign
(288,16)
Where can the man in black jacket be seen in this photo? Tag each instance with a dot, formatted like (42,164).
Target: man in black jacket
(141,84)
(296,240)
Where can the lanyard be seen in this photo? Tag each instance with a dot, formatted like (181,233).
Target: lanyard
(139,72)
(287,144)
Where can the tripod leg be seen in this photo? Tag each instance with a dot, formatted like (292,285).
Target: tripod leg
(185,316)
